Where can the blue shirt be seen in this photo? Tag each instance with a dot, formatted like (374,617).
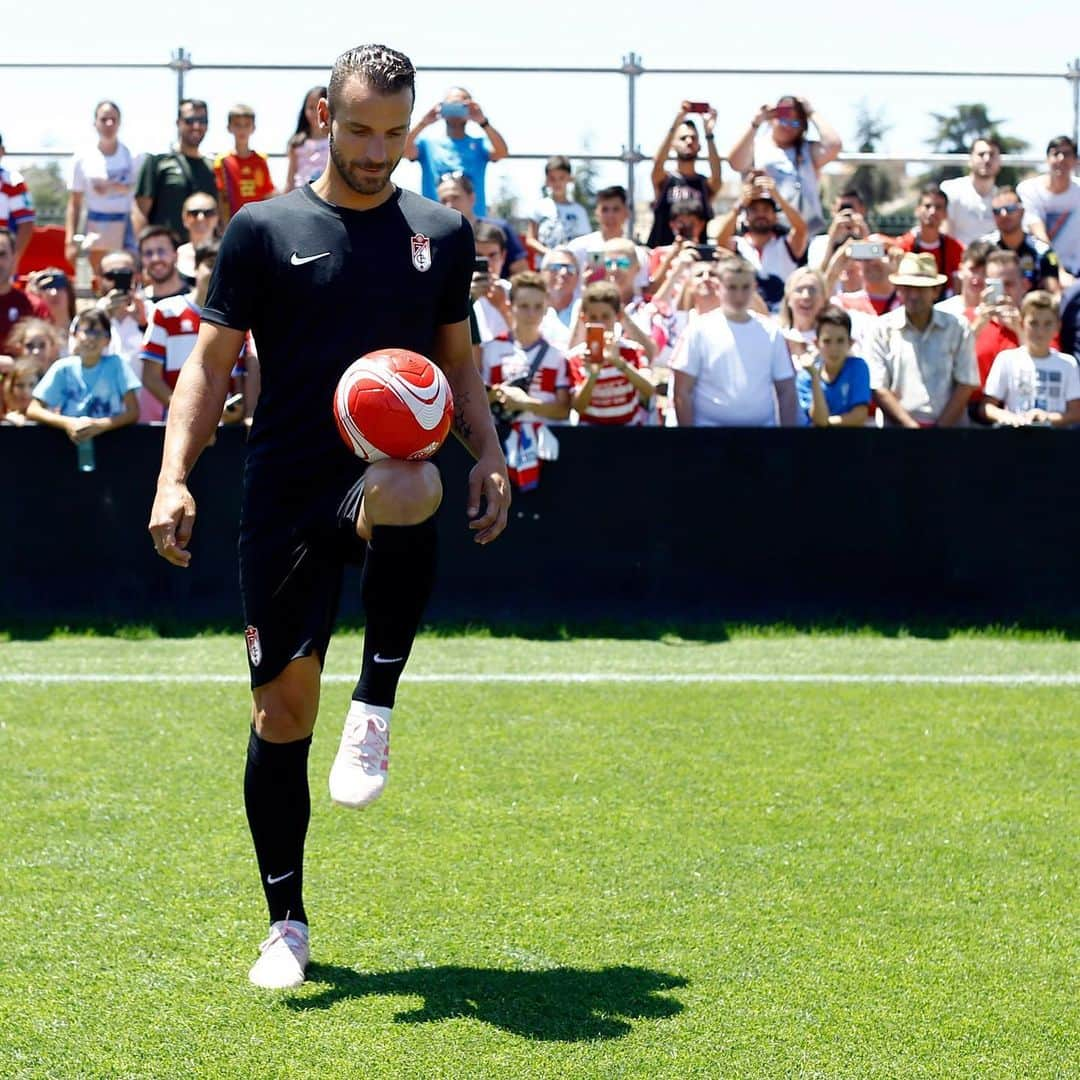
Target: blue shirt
(850,388)
(96,392)
(439,155)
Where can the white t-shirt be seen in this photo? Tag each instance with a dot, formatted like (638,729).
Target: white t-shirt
(557,223)
(1059,214)
(971,215)
(555,331)
(1022,382)
(735,365)
(489,320)
(93,169)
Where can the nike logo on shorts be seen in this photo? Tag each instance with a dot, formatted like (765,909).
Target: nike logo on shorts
(387,659)
(271,880)
(298,260)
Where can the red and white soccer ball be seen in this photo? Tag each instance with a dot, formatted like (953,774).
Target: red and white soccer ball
(393,403)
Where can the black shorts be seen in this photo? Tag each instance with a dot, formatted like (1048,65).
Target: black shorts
(293,555)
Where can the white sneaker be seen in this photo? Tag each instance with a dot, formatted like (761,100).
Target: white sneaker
(284,956)
(358,774)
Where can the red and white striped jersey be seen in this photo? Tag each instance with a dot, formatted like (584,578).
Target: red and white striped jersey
(16,207)
(614,399)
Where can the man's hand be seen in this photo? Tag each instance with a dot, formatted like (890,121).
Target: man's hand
(710,121)
(514,398)
(479,286)
(489,487)
(476,114)
(171,520)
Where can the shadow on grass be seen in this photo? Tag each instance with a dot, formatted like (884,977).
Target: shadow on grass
(558,1005)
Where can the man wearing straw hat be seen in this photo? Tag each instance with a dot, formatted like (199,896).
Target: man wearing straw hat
(922,360)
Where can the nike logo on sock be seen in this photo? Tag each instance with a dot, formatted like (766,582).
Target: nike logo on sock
(271,880)
(387,659)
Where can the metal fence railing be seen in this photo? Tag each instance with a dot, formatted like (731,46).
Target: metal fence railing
(631,68)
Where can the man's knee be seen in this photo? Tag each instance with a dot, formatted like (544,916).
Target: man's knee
(399,493)
(284,710)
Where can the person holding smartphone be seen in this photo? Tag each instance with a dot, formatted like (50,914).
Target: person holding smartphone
(455,150)
(786,154)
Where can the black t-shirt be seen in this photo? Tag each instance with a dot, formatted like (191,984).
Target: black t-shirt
(318,286)
(677,188)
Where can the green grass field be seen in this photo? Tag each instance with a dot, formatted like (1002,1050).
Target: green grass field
(581,872)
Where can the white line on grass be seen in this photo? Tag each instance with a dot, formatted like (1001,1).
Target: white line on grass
(974,679)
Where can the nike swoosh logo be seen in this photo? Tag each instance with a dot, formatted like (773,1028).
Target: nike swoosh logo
(296,259)
(387,659)
(270,880)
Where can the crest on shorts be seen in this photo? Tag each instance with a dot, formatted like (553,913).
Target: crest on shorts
(421,252)
(254,646)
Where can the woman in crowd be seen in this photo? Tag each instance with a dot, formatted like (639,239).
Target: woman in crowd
(804,297)
(103,178)
(54,287)
(309,146)
(17,391)
(38,341)
(788,156)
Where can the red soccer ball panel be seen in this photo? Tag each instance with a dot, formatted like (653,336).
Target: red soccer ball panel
(393,403)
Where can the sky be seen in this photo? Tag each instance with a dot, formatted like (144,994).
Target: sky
(549,113)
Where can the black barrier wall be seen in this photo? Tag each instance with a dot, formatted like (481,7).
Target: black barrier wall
(687,525)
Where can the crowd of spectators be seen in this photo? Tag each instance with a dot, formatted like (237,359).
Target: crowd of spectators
(760,310)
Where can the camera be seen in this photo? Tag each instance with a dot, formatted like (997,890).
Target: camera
(866,249)
(480,265)
(122,279)
(698,107)
(454,109)
(996,288)
(706,252)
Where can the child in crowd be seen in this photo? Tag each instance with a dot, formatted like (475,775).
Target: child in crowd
(607,372)
(243,175)
(1034,384)
(17,391)
(309,147)
(834,389)
(557,219)
(39,341)
(91,392)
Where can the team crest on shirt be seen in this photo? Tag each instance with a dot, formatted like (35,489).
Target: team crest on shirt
(254,646)
(421,252)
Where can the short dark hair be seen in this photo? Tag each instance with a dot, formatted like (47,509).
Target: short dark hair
(102,103)
(976,253)
(194,102)
(381,67)
(1003,257)
(615,191)
(933,189)
(150,231)
(831,315)
(990,140)
(486,233)
(558,162)
(207,250)
(96,316)
(692,207)
(527,279)
(1061,142)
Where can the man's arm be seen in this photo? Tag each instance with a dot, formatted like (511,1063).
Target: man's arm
(799,236)
(659,166)
(715,179)
(684,398)
(498,143)
(23,234)
(194,413)
(71,224)
(787,401)
(890,405)
(411,153)
(957,404)
(154,380)
(475,429)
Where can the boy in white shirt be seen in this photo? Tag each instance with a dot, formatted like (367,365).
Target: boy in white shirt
(1034,384)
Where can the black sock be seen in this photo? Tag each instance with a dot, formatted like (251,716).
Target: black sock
(278,807)
(399,572)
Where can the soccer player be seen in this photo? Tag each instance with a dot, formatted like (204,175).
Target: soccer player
(367,265)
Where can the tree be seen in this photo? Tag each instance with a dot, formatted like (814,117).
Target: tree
(956,131)
(48,190)
(875,184)
(505,203)
(585,173)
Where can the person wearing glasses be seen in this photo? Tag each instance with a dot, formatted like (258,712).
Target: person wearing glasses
(89,392)
(103,180)
(166,180)
(38,341)
(201,219)
(1038,261)
(559,270)
(785,153)
(971,197)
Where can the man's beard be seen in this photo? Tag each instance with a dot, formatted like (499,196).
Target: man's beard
(686,155)
(368,185)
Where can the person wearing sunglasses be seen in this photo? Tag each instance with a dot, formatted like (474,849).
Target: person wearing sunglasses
(201,219)
(786,154)
(971,197)
(1038,261)
(89,392)
(166,180)
(38,341)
